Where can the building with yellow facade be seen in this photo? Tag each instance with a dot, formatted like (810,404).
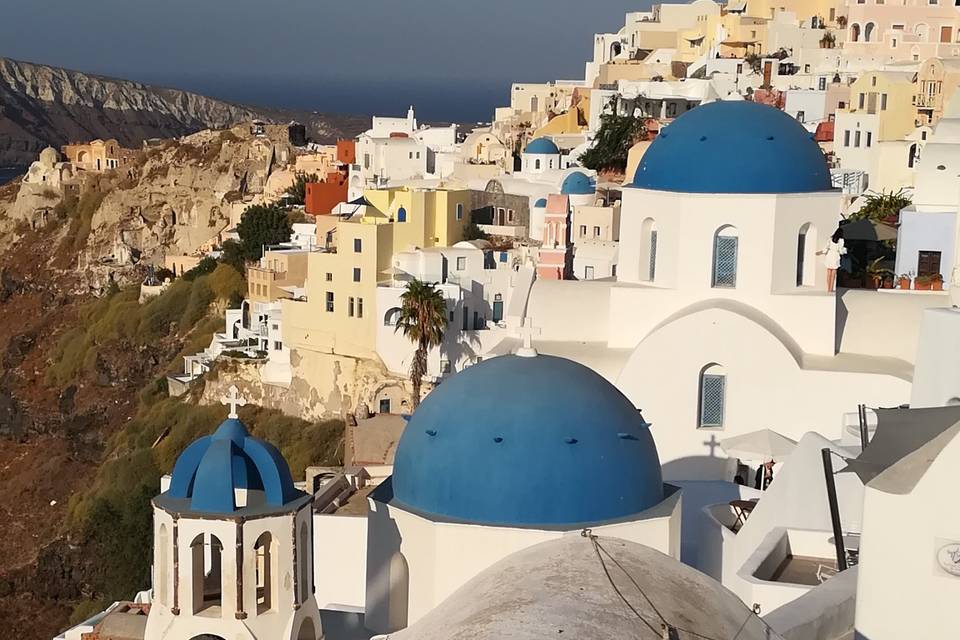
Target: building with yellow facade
(338,315)
(937,80)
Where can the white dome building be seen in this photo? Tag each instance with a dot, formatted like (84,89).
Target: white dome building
(540,156)
(719,292)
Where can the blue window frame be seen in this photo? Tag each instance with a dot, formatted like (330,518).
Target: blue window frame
(401,215)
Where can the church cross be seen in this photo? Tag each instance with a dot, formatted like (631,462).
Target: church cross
(713,444)
(234,400)
(527,331)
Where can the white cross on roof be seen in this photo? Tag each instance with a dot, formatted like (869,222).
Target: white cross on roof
(234,400)
(527,331)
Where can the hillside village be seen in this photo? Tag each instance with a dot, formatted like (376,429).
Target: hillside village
(692,316)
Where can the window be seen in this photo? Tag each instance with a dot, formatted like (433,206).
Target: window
(725,246)
(846,138)
(509,216)
(329,277)
(856,139)
(277,345)
(873,79)
(466,314)
(536,164)
(418,155)
(329,301)
(912,155)
(461,263)
(459,211)
(588,273)
(503,256)
(359,307)
(583,230)
(497,308)
(384,405)
(350,307)
(264,572)
(928,263)
(596,232)
(410,156)
(869,137)
(356,274)
(806,255)
(653,255)
(648,250)
(861,100)
(800,116)
(366,161)
(357,245)
(206,569)
(822,84)
(391,316)
(401,215)
(713,390)
(444,366)
(883,102)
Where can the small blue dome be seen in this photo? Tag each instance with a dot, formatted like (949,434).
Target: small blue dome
(542,146)
(541,203)
(578,184)
(734,147)
(210,469)
(526,442)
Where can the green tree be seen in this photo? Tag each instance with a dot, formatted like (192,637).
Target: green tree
(611,147)
(423,318)
(473,232)
(262,225)
(882,206)
(297,192)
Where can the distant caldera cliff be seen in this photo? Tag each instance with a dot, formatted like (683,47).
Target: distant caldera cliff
(44,106)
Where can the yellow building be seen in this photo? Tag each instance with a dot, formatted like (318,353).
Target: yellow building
(338,315)
(937,81)
(99,155)
(572,122)
(276,272)
(889,96)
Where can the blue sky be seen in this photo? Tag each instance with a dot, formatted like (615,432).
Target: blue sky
(454,59)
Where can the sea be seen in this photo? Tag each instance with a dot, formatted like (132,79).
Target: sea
(9,173)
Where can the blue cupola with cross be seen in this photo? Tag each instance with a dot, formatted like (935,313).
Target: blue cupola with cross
(231,470)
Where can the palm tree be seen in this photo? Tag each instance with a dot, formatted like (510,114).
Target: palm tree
(423,317)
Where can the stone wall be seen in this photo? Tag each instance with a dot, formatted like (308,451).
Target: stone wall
(324,385)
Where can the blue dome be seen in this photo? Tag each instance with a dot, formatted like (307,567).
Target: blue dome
(210,469)
(541,203)
(526,442)
(578,184)
(734,147)
(542,146)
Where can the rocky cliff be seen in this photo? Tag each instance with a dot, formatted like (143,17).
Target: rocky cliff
(47,106)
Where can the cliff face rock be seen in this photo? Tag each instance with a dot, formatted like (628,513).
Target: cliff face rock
(47,106)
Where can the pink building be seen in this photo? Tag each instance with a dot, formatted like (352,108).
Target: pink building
(555,256)
(883,31)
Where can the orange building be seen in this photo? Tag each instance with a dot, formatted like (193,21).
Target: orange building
(322,197)
(346,151)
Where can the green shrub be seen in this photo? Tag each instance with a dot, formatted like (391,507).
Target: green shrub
(226,282)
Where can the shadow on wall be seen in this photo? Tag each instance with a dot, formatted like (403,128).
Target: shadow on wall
(388,575)
(842,314)
(699,468)
(696,526)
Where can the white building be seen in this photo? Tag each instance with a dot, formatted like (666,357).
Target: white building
(719,284)
(232,544)
(484,291)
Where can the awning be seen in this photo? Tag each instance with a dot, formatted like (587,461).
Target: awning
(869,230)
(899,433)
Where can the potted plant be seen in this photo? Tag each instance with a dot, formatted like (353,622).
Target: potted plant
(903,281)
(877,274)
(887,282)
(936,282)
(925,282)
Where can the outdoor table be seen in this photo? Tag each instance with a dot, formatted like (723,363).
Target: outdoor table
(742,509)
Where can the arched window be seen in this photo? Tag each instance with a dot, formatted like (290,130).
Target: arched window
(912,157)
(162,570)
(534,104)
(868,31)
(206,573)
(806,255)
(536,164)
(854,32)
(398,599)
(263,550)
(391,317)
(713,391)
(725,248)
(648,250)
(303,556)
(401,215)
(615,49)
(922,31)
